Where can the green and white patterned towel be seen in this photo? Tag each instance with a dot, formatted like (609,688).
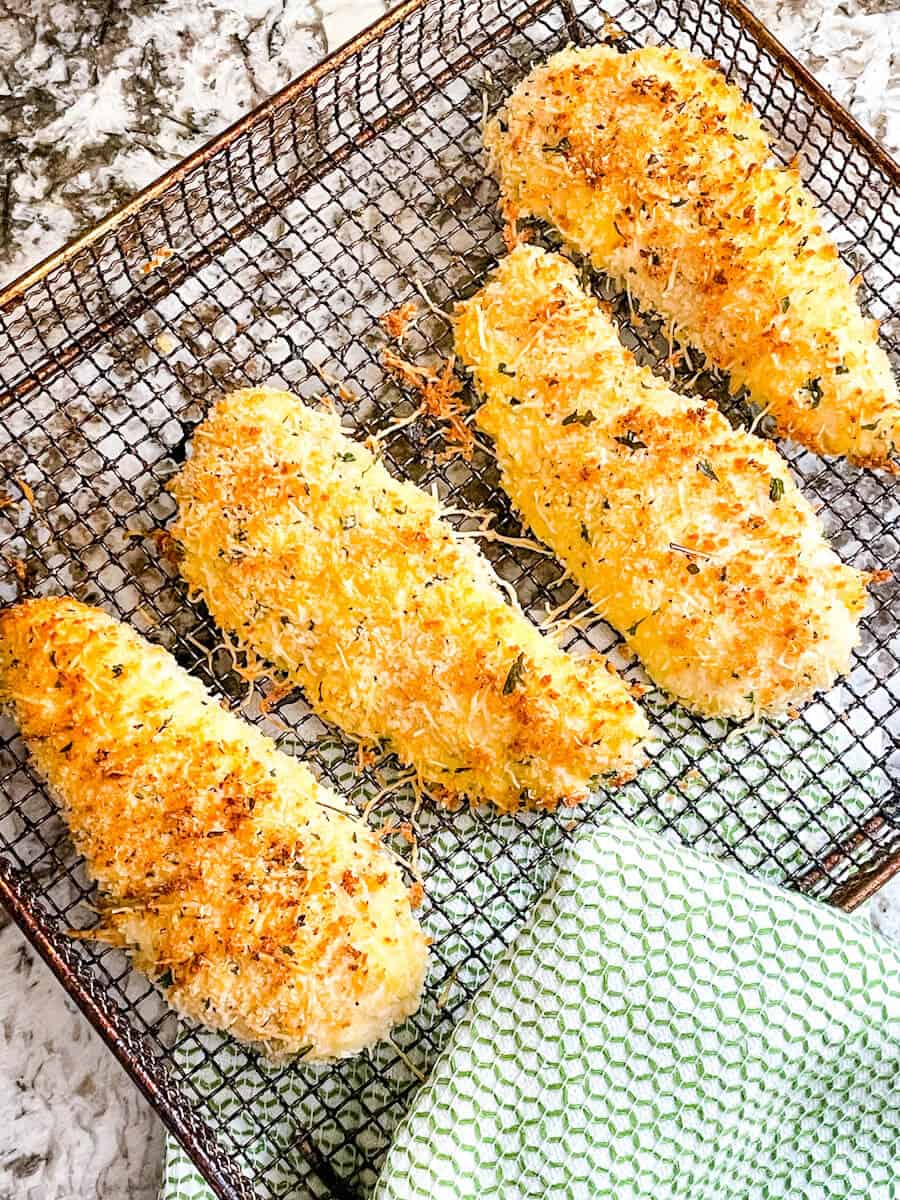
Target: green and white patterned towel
(666,1026)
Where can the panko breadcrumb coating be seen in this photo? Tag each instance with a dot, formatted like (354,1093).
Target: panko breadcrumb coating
(350,582)
(690,537)
(238,882)
(655,168)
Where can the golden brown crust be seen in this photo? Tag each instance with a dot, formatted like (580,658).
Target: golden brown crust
(689,536)
(220,860)
(311,555)
(654,167)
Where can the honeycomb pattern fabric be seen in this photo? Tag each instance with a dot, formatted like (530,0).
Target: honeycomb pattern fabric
(666,1026)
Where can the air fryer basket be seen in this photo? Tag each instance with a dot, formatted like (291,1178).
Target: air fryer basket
(269,257)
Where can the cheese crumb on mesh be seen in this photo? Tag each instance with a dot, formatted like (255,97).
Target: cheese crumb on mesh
(244,887)
(655,168)
(690,537)
(312,556)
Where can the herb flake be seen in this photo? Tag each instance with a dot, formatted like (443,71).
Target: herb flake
(705,469)
(577,418)
(776,490)
(632,629)
(814,387)
(514,675)
(631,440)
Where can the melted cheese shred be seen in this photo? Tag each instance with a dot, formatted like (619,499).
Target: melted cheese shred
(654,167)
(235,879)
(350,582)
(690,537)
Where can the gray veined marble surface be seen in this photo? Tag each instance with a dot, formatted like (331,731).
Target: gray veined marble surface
(97,97)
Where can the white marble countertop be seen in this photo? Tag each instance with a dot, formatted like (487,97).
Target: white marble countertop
(97,97)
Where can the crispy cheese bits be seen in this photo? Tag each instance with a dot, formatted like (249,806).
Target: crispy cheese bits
(350,582)
(245,888)
(690,537)
(653,166)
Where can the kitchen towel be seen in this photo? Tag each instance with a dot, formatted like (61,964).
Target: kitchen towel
(666,1026)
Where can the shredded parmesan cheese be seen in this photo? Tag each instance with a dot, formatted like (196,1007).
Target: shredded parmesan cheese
(439,395)
(311,555)
(156,259)
(690,537)
(245,888)
(26,490)
(20,567)
(396,322)
(655,168)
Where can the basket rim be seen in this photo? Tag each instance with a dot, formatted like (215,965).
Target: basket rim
(102,1025)
(860,887)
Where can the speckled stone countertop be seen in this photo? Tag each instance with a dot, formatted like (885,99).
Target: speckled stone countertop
(97,97)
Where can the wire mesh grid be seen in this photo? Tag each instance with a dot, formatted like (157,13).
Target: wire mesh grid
(269,257)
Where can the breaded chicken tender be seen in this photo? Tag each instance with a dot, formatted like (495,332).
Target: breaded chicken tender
(690,537)
(652,166)
(350,582)
(244,887)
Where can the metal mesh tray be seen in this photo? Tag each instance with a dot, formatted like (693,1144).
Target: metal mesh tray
(268,256)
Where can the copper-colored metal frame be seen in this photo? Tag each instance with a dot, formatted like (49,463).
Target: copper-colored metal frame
(848,896)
